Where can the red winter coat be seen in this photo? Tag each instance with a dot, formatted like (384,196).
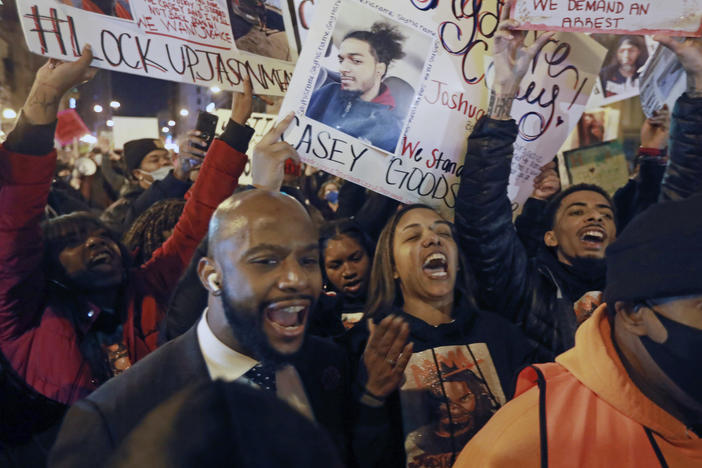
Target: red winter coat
(37,337)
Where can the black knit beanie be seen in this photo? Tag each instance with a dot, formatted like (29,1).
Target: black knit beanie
(136,150)
(658,255)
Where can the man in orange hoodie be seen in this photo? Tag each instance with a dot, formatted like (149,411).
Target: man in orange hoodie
(629,394)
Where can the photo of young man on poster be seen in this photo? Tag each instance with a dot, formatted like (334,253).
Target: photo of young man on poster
(369,95)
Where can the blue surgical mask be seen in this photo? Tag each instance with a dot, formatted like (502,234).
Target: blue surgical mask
(679,355)
(332,197)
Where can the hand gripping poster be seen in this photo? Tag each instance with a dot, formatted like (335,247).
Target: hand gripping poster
(386,94)
(449,393)
(207,43)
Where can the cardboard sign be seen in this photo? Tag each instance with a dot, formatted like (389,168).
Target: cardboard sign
(133,128)
(212,43)
(672,17)
(604,165)
(69,126)
(408,141)
(663,82)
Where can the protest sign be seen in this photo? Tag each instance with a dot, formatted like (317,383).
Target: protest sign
(304,12)
(596,126)
(69,126)
(260,122)
(672,17)
(436,91)
(663,82)
(213,43)
(133,128)
(628,57)
(604,165)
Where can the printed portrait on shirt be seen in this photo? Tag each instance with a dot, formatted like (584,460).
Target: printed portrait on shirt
(448,395)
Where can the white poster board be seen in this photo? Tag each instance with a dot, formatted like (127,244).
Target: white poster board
(212,43)
(133,128)
(670,17)
(304,14)
(445,69)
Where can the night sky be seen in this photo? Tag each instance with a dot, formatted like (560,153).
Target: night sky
(141,96)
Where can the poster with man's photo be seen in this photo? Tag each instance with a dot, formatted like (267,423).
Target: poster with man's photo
(623,67)
(663,82)
(449,393)
(386,94)
(371,76)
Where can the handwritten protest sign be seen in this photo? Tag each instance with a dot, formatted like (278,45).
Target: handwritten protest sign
(604,164)
(212,43)
(304,13)
(672,17)
(439,90)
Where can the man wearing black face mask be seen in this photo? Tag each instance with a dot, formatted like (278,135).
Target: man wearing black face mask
(630,392)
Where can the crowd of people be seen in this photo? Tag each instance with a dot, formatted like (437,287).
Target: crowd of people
(158,313)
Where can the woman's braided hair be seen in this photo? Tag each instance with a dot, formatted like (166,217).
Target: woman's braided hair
(147,233)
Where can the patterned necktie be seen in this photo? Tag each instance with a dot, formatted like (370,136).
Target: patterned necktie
(263,376)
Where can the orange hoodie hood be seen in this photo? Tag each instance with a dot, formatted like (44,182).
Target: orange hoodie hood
(595,362)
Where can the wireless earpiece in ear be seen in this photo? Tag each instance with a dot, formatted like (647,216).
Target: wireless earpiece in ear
(212,281)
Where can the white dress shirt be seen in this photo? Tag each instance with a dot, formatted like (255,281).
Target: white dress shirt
(229,365)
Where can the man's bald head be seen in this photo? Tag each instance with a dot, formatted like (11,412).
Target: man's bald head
(237,212)
(262,272)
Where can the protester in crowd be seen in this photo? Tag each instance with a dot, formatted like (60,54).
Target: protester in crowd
(346,257)
(642,190)
(218,424)
(152,228)
(154,178)
(630,392)
(328,195)
(63,198)
(543,296)
(72,311)
(361,105)
(419,274)
(621,75)
(263,277)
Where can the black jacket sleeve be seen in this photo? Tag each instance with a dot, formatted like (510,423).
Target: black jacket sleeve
(531,225)
(484,221)
(639,193)
(683,176)
(30,139)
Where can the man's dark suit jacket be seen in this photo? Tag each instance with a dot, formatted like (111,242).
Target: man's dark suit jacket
(94,427)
